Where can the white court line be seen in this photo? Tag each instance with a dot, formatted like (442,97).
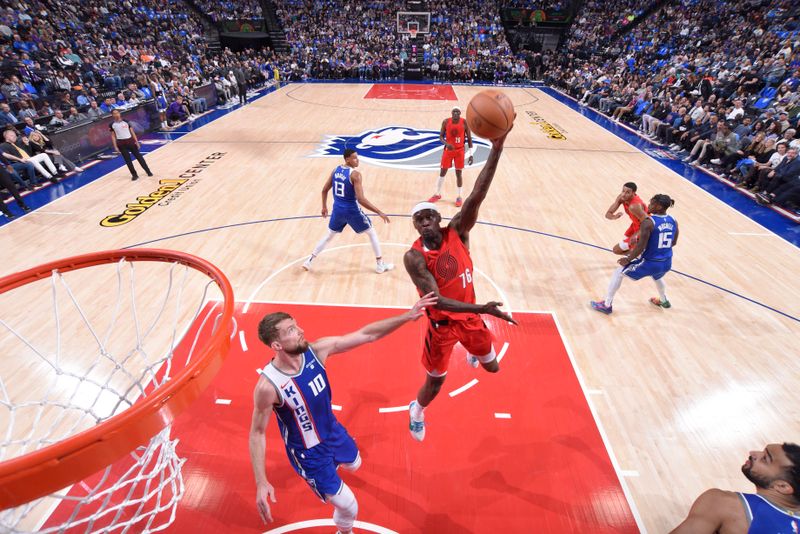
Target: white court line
(503,350)
(500,415)
(336,407)
(224,402)
(301,259)
(302,525)
(40,212)
(242,342)
(464,388)
(503,297)
(629,473)
(358,305)
(614,463)
(752,234)
(595,392)
(393,409)
(251,299)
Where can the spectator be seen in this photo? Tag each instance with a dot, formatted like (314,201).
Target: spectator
(26,110)
(58,120)
(41,144)
(177,111)
(6,117)
(76,116)
(94,112)
(19,161)
(7,183)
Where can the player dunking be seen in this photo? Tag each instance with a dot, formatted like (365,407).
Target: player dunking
(657,235)
(439,262)
(295,386)
(348,193)
(636,210)
(453,134)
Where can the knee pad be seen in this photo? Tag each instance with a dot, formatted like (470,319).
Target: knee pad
(345,508)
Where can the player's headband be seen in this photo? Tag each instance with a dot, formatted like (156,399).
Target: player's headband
(424,206)
(456,108)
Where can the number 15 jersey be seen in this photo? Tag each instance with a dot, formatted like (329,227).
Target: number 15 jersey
(451,267)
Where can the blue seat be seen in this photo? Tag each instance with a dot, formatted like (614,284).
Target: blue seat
(762,103)
(30,89)
(769,92)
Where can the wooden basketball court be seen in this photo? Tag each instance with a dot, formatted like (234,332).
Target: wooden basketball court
(680,395)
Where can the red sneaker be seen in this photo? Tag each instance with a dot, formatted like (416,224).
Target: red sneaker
(435,198)
(458,202)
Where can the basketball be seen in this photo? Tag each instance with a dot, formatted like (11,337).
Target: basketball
(490,114)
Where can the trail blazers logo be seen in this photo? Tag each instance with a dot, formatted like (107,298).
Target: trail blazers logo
(399,147)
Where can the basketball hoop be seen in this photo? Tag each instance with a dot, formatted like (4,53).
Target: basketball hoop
(412,33)
(91,410)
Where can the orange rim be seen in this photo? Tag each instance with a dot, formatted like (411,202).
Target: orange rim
(57,466)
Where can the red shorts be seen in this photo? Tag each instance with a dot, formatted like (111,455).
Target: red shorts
(631,238)
(439,342)
(453,157)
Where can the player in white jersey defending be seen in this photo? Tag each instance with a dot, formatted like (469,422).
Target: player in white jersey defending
(295,386)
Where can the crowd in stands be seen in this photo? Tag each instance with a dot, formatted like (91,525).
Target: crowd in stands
(716,83)
(63,64)
(230,10)
(334,39)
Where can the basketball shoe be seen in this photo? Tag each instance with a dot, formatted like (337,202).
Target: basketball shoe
(472,361)
(655,301)
(458,202)
(600,306)
(416,426)
(382,267)
(307,263)
(435,198)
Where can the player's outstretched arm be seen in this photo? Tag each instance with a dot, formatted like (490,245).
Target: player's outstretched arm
(414,262)
(644,235)
(264,398)
(329,346)
(708,512)
(355,178)
(468,216)
(325,188)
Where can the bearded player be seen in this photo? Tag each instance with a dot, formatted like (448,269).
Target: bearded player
(635,208)
(439,263)
(453,134)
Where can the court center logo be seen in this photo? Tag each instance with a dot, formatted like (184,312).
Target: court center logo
(399,147)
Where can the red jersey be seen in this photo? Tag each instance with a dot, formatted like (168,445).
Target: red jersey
(454,133)
(451,267)
(634,200)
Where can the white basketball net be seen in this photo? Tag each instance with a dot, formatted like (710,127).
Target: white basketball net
(103,355)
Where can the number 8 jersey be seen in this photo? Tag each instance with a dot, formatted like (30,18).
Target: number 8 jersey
(304,414)
(451,266)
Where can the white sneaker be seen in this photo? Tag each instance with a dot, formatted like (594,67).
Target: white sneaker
(716,161)
(472,361)
(383,267)
(416,427)
(78,169)
(62,168)
(307,264)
